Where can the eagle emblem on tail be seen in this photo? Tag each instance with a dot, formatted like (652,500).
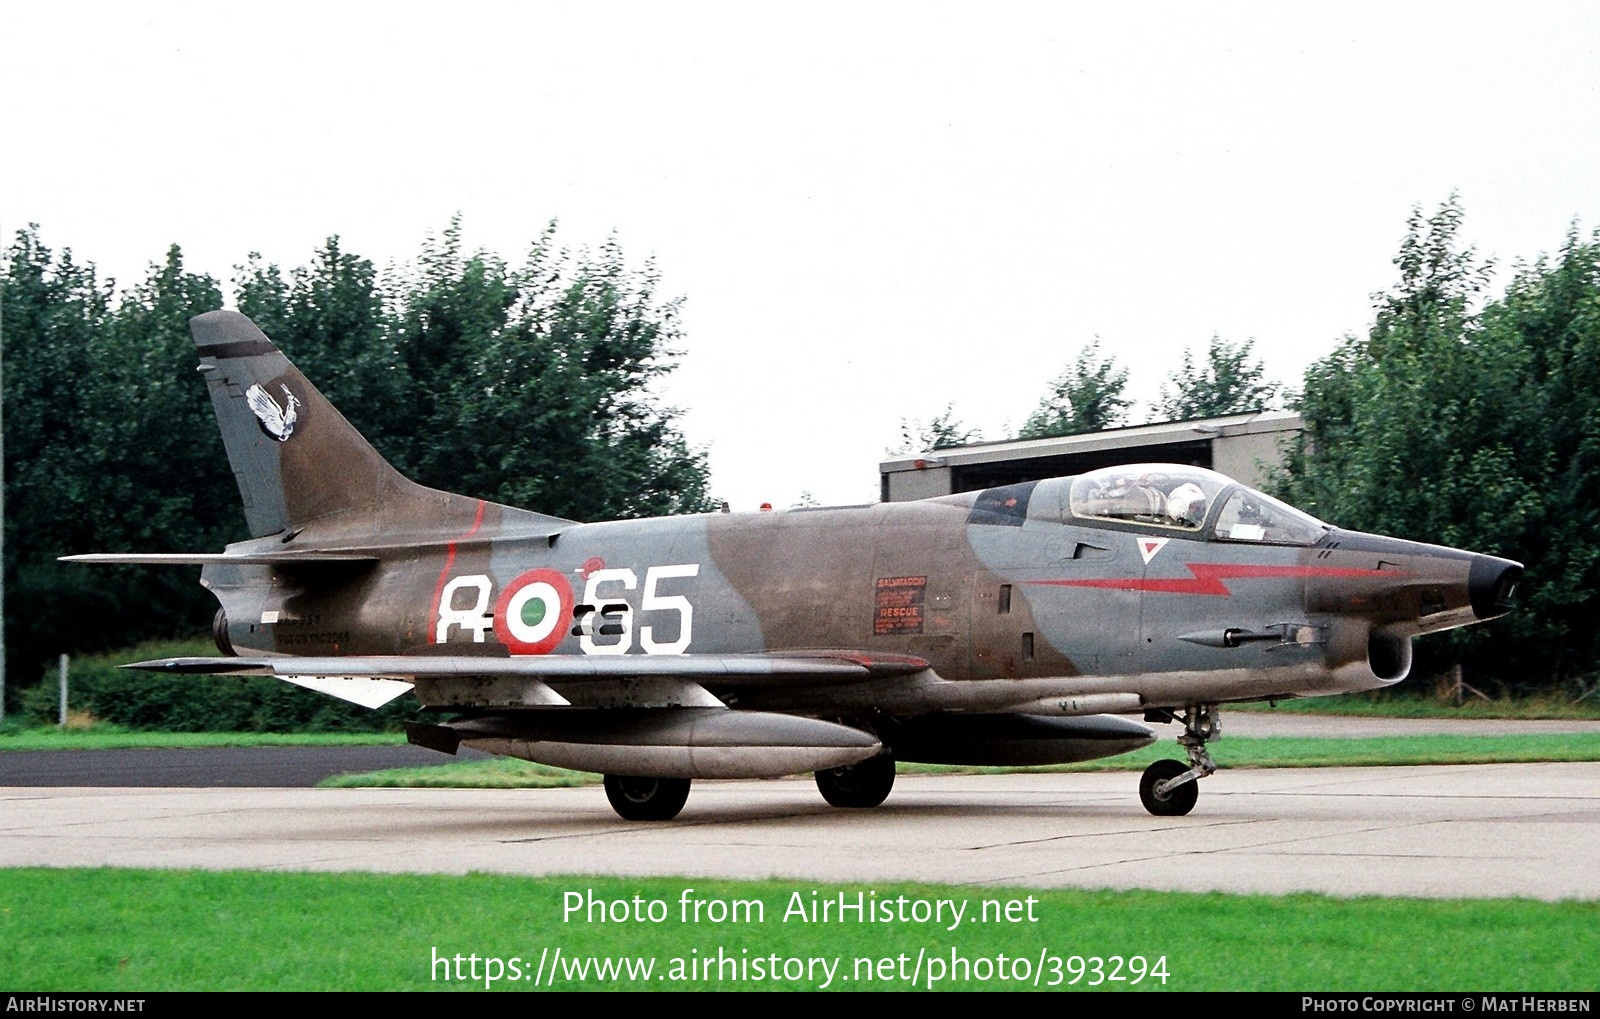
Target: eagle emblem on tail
(277,422)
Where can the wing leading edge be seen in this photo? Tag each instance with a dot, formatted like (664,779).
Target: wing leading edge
(815,667)
(632,681)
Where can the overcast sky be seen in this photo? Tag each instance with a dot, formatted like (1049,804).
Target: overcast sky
(872,210)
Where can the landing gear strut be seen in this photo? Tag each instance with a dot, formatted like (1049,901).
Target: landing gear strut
(1167,788)
(646,799)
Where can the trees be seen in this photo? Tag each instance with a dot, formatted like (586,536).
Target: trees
(533,385)
(331,316)
(1476,429)
(943,432)
(1229,382)
(1087,397)
(54,309)
(104,449)
(528,385)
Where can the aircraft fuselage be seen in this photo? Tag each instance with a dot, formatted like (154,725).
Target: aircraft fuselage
(1008,626)
(1007,587)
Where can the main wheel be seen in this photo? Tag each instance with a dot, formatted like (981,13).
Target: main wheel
(646,799)
(1177,802)
(858,785)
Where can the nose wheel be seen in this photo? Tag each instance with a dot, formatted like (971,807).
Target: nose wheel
(1167,788)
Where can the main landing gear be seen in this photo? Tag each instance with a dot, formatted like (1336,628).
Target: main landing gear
(858,785)
(646,799)
(1167,788)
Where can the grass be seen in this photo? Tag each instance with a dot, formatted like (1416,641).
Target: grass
(497,773)
(1299,752)
(130,930)
(1413,703)
(108,737)
(133,930)
(1236,752)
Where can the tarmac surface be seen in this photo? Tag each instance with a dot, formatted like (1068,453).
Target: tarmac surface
(209,767)
(292,767)
(1524,830)
(1490,830)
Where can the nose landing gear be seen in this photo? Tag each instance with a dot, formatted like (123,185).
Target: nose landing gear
(1167,788)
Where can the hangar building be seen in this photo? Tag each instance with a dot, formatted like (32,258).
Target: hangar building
(1245,447)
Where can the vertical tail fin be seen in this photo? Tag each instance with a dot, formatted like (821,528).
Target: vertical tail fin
(295,457)
(298,462)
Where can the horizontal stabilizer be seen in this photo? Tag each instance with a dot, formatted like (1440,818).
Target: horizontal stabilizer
(369,550)
(305,558)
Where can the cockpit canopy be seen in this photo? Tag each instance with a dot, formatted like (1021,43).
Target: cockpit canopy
(1188,499)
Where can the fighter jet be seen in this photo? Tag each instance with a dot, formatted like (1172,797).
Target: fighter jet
(1013,626)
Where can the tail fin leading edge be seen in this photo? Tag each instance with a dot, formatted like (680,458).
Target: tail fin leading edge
(300,464)
(295,457)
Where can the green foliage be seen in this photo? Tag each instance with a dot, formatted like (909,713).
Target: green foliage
(107,447)
(494,773)
(105,736)
(330,318)
(111,930)
(1228,383)
(1087,397)
(1444,701)
(152,702)
(1241,752)
(1478,429)
(532,386)
(528,385)
(943,432)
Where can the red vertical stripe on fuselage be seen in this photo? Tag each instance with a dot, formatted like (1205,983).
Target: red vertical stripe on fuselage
(449,561)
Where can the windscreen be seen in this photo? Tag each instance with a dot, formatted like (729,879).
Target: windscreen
(1250,516)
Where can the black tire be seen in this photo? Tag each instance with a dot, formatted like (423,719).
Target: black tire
(646,799)
(858,785)
(1179,801)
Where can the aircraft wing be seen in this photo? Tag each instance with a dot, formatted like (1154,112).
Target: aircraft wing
(820,666)
(521,681)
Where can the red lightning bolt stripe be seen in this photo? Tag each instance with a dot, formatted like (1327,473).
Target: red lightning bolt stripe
(1208,578)
(449,561)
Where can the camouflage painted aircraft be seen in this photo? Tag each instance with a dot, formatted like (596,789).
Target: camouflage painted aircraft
(1009,626)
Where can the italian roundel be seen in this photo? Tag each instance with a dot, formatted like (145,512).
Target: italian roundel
(532,613)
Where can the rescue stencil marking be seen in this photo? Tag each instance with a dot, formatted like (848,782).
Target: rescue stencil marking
(1148,547)
(531,613)
(899,605)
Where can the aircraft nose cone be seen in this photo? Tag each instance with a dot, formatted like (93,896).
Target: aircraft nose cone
(1492,585)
